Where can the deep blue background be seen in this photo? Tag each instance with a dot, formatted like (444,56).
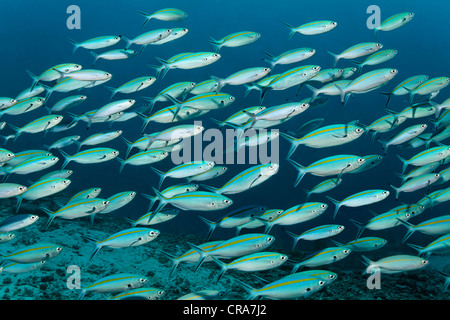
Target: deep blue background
(34,37)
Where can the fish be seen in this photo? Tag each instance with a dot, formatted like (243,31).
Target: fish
(190,256)
(6,102)
(290,56)
(175,133)
(175,91)
(371,161)
(23,106)
(426,157)
(98,138)
(429,86)
(330,89)
(416,183)
(114,283)
(29,165)
(166,14)
(140,294)
(186,61)
(376,58)
(259,261)
(235,218)
(316,233)
(134,85)
(236,39)
(64,142)
(322,257)
(43,188)
(175,34)
(290,78)
(90,156)
(85,194)
(396,21)
(389,219)
(195,200)
(18,268)
(96,43)
(172,191)
(329,166)
(395,264)
(235,247)
(242,77)
(143,158)
(76,209)
(404,136)
(38,125)
(123,239)
(323,186)
(8,190)
(37,252)
(86,75)
(184,170)
(356,51)
(51,74)
(118,200)
(264,218)
(434,226)
(312,28)
(438,246)
(295,215)
(289,287)
(117,54)
(17,222)
(366,82)
(217,171)
(405,87)
(364,244)
(246,179)
(150,218)
(67,103)
(360,199)
(110,109)
(328,136)
(147,38)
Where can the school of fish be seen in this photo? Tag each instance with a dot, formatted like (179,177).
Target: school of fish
(188,186)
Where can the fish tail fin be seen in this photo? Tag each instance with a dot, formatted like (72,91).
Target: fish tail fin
(291,29)
(19,201)
(147,18)
(419,249)
(384,144)
(270,60)
(129,145)
(201,252)
(388,95)
(95,55)
(335,57)
(122,164)
(336,203)
(173,260)
(360,226)
(144,119)
(219,123)
(315,92)
(177,103)
(397,191)
(223,267)
(216,44)
(128,42)
(97,246)
(161,176)
(219,81)
(113,91)
(212,189)
(252,292)
(34,78)
(162,201)
(301,171)
(82,294)
(295,237)
(151,103)
(211,226)
(294,142)
(410,229)
(151,198)
(66,158)
(405,163)
(164,68)
(75,45)
(17,130)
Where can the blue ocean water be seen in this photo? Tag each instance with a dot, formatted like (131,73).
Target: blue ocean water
(35,37)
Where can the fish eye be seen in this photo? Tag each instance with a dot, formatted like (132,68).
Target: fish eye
(385,192)
(59,249)
(321,283)
(152,233)
(216,56)
(334,23)
(269,239)
(346,251)
(34,217)
(323,206)
(142,280)
(379,45)
(312,50)
(393,71)
(266,69)
(359,130)
(360,160)
(424,261)
(21,188)
(9,155)
(105,202)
